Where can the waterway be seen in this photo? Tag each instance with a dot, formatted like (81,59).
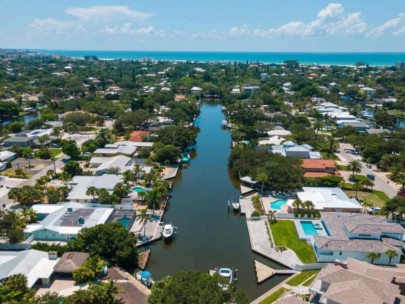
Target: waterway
(208,236)
(24,118)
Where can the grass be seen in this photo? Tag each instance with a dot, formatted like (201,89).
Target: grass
(368,196)
(333,156)
(381,195)
(342,167)
(303,277)
(284,234)
(11,173)
(274,296)
(55,151)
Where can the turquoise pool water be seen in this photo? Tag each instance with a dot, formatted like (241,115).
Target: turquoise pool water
(124,221)
(140,189)
(308,227)
(278,204)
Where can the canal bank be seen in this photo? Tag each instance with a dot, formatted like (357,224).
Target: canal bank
(208,236)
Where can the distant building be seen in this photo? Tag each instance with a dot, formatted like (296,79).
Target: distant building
(291,149)
(21,141)
(319,167)
(400,65)
(6,156)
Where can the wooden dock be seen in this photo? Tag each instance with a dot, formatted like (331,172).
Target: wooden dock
(143,258)
(264,272)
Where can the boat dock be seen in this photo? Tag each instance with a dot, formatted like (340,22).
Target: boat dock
(143,258)
(264,272)
(150,231)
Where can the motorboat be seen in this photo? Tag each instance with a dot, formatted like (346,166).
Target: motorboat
(168,231)
(224,124)
(235,205)
(227,275)
(145,277)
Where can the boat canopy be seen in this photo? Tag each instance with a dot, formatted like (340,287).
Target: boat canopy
(145,274)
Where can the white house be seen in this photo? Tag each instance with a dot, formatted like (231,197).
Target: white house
(195,90)
(64,223)
(6,156)
(291,149)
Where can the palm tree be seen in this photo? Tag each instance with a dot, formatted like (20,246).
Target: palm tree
(391,254)
(28,215)
(262,178)
(53,159)
(43,140)
(144,217)
(137,171)
(357,187)
(366,205)
(114,170)
(27,154)
(121,190)
(14,194)
(309,206)
(129,176)
(57,132)
(355,166)
(92,191)
(271,217)
(373,256)
(297,204)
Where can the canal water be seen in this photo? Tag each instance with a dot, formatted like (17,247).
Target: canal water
(208,236)
(25,118)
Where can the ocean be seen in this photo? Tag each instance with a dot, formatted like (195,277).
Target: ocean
(380,59)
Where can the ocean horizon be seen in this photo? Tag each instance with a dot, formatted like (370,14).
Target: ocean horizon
(323,58)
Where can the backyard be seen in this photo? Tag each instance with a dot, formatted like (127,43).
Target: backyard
(284,234)
(367,196)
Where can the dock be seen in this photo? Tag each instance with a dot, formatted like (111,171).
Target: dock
(143,258)
(264,272)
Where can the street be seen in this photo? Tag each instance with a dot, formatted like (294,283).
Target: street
(347,153)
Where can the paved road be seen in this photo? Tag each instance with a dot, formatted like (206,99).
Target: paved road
(347,153)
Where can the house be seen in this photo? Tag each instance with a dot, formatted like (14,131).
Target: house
(328,199)
(279,131)
(3,166)
(250,89)
(359,282)
(121,163)
(291,149)
(65,222)
(127,148)
(360,126)
(6,156)
(21,141)
(36,265)
(69,262)
(272,140)
(380,132)
(368,91)
(195,90)
(136,136)
(355,235)
(319,167)
(80,184)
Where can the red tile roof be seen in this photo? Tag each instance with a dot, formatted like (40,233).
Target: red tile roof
(308,164)
(137,135)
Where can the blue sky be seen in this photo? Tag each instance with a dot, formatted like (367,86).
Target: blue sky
(204,25)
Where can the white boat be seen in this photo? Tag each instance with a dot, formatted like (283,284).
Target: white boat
(168,231)
(236,206)
(227,275)
(224,124)
(145,277)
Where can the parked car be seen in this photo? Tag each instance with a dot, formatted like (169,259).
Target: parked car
(369,166)
(371,176)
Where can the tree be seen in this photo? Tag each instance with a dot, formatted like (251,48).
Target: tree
(73,168)
(357,187)
(178,136)
(391,254)
(57,194)
(129,176)
(355,167)
(11,227)
(28,215)
(395,207)
(70,148)
(144,217)
(92,191)
(309,207)
(27,195)
(271,217)
(111,242)
(373,256)
(27,153)
(297,204)
(104,293)
(167,155)
(89,270)
(15,290)
(121,190)
(187,287)
(262,178)
(398,176)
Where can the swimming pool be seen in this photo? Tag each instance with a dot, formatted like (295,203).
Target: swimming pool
(278,204)
(140,189)
(124,221)
(308,228)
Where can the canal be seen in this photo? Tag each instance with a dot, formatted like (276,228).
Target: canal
(208,236)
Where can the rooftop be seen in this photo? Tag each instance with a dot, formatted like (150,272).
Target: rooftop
(70,261)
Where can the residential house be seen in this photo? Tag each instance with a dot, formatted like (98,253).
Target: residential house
(196,90)
(279,131)
(328,199)
(319,167)
(36,265)
(64,223)
(359,282)
(80,184)
(368,91)
(7,156)
(127,148)
(102,165)
(22,141)
(69,262)
(291,149)
(355,235)
(360,126)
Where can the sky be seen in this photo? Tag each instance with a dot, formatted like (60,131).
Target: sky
(204,25)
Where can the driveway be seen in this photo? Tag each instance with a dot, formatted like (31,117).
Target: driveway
(347,153)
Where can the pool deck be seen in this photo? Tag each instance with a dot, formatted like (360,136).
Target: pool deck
(153,230)
(301,233)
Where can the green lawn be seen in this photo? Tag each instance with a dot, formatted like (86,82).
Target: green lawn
(342,167)
(55,152)
(381,195)
(370,197)
(284,234)
(274,296)
(302,277)
(329,156)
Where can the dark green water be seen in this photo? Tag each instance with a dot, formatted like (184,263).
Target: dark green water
(208,236)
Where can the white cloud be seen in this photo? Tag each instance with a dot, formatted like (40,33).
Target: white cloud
(129,29)
(107,13)
(332,10)
(395,25)
(49,25)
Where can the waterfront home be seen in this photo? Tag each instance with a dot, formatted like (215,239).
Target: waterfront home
(356,235)
(279,131)
(359,282)
(127,148)
(291,149)
(195,90)
(21,141)
(319,167)
(327,199)
(79,185)
(359,125)
(271,140)
(121,163)
(6,156)
(65,221)
(36,265)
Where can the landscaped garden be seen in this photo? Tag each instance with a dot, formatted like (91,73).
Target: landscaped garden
(284,234)
(305,278)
